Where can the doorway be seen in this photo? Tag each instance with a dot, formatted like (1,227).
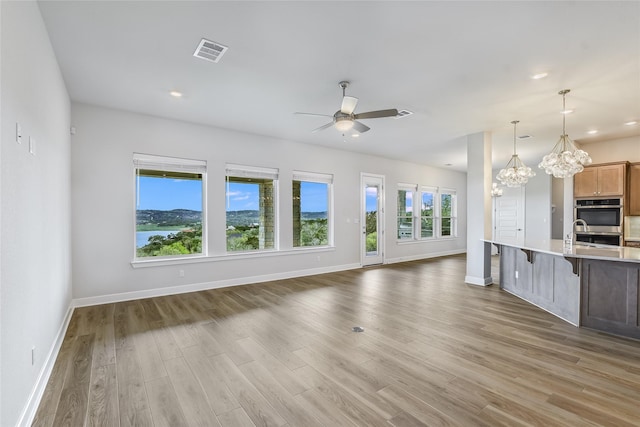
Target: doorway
(372,219)
(508,216)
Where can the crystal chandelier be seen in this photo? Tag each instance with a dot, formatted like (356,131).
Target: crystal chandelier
(515,173)
(495,190)
(565,160)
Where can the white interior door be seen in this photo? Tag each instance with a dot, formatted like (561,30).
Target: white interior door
(372,220)
(508,216)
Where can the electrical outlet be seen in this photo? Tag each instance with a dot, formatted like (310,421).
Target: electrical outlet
(181,273)
(32,145)
(18,133)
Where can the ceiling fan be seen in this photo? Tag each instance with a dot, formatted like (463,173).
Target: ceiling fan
(344,119)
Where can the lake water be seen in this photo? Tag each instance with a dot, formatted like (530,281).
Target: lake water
(142,237)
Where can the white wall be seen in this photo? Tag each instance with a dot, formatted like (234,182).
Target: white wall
(103,197)
(615,150)
(537,207)
(557,208)
(35,250)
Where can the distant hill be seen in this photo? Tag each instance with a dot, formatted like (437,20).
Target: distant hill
(186,216)
(167,218)
(236,218)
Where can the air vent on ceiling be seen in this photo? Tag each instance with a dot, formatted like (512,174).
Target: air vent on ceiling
(524,136)
(403,113)
(211,51)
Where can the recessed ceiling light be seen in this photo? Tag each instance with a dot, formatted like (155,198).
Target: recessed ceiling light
(567,111)
(539,76)
(355,135)
(592,131)
(175,94)
(631,123)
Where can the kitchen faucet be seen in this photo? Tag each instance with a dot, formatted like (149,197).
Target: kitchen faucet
(582,221)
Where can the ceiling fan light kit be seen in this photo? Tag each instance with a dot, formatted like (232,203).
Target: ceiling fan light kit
(345,120)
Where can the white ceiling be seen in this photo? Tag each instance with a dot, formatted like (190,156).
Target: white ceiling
(461,67)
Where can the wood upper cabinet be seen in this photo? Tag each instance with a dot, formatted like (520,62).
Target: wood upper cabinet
(634,189)
(598,181)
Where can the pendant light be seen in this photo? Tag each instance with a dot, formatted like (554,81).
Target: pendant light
(496,191)
(515,173)
(565,160)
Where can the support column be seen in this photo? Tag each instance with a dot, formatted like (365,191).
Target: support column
(478,209)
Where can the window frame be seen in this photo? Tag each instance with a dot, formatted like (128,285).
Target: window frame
(142,161)
(407,189)
(322,178)
(453,230)
(259,173)
(434,225)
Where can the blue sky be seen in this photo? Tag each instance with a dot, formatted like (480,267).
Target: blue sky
(171,193)
(371,201)
(244,196)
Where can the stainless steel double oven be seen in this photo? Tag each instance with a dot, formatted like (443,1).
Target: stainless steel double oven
(604,218)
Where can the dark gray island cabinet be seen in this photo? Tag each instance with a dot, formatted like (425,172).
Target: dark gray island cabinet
(610,298)
(597,287)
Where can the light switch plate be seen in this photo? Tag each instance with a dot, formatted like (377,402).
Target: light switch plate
(32,145)
(18,133)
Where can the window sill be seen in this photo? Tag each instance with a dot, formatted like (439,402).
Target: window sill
(227,257)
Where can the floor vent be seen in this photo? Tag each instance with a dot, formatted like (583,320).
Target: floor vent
(211,51)
(403,113)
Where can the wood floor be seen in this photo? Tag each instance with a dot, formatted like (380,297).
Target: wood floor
(434,351)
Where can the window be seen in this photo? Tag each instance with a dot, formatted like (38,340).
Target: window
(405,211)
(311,209)
(169,206)
(448,212)
(427,213)
(251,208)
(427,199)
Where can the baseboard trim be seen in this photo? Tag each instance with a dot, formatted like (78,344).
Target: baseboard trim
(195,287)
(30,409)
(478,281)
(423,256)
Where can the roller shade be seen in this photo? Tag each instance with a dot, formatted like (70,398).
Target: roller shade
(241,171)
(312,177)
(149,163)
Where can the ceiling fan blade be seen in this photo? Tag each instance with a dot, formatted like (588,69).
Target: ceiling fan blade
(312,114)
(328,125)
(377,114)
(348,104)
(360,127)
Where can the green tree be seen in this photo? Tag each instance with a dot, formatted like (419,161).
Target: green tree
(188,241)
(314,233)
(372,222)
(372,242)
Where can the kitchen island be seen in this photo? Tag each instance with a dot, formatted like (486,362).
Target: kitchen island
(594,286)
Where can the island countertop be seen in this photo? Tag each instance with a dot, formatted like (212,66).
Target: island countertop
(577,250)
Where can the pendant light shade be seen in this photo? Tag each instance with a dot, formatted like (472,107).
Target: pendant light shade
(565,160)
(515,173)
